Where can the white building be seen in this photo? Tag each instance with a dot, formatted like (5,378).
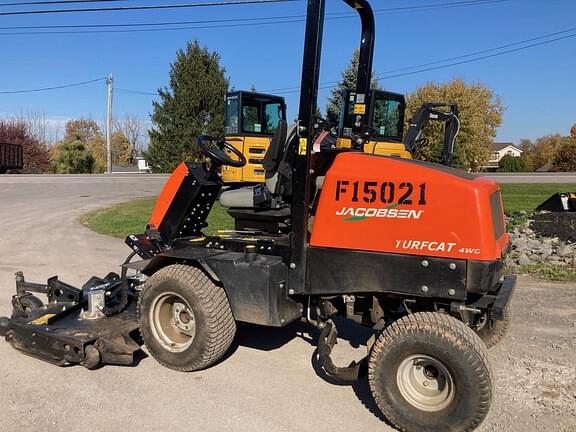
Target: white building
(497,152)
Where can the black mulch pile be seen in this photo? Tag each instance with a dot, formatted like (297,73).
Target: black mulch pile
(556,224)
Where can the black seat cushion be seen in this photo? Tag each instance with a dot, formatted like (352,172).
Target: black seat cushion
(273,155)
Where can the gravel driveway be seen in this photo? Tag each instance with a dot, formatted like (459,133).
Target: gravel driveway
(269,382)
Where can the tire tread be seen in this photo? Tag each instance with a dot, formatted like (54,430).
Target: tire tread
(449,329)
(221,326)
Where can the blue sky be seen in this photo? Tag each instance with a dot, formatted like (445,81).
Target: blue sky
(537,85)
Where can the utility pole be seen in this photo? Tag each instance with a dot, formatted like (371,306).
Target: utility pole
(109,81)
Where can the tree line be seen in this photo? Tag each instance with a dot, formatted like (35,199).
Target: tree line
(82,150)
(548,153)
(193,103)
(198,85)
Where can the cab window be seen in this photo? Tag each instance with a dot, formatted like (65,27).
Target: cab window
(251,114)
(232,115)
(261,115)
(274,114)
(388,118)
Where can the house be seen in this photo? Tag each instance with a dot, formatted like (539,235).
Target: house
(497,152)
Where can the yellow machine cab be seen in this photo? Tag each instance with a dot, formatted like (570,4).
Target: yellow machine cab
(385,116)
(251,122)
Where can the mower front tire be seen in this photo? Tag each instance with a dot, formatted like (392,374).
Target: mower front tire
(429,372)
(30,303)
(185,318)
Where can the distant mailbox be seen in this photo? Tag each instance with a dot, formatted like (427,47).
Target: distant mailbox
(10,157)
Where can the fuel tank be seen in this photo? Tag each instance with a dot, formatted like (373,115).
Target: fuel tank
(393,205)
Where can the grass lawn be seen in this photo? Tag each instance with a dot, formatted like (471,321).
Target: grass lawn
(132,217)
(527,197)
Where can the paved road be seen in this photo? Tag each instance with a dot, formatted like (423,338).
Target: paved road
(501,177)
(533,177)
(153,178)
(268,382)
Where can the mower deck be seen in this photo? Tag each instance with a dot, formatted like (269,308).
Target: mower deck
(73,332)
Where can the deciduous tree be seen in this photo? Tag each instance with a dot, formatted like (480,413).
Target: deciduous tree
(480,115)
(84,129)
(97,147)
(196,92)
(511,164)
(134,129)
(122,150)
(543,151)
(526,146)
(35,154)
(565,157)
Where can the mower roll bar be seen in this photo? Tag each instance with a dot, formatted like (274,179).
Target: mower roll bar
(302,143)
(366,58)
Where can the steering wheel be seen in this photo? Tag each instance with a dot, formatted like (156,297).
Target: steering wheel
(214,149)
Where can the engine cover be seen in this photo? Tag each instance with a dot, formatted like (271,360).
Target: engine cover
(384,204)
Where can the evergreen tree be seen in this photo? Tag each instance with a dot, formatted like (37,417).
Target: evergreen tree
(197,90)
(348,81)
(72,157)
(90,134)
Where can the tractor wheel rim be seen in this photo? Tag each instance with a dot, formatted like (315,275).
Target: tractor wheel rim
(425,383)
(173,322)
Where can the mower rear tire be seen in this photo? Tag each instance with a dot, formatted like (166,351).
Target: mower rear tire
(185,318)
(429,372)
(493,331)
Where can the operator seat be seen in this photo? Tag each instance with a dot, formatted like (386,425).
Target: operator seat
(278,175)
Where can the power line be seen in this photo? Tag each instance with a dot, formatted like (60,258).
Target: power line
(481,58)
(64,2)
(288,90)
(53,88)
(444,5)
(225,23)
(152,24)
(479,52)
(150,7)
(329,84)
(144,30)
(294,89)
(150,30)
(447,5)
(48,2)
